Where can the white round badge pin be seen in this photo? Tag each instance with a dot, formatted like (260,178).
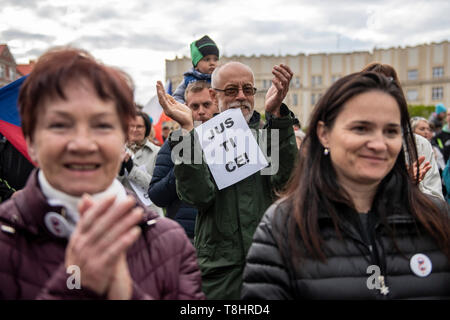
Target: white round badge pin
(57,225)
(421,265)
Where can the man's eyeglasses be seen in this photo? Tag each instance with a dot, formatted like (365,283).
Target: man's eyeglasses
(138,127)
(234,91)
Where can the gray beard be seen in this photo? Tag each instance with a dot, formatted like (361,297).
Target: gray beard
(249,116)
(246,117)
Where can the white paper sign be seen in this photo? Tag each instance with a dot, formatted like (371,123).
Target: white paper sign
(229,147)
(141,192)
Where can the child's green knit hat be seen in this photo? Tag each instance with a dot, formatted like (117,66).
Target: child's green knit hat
(201,48)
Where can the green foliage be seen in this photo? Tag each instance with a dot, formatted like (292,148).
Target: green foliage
(420,111)
(263,116)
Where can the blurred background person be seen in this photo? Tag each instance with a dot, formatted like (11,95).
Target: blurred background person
(441,140)
(14,169)
(432,153)
(139,160)
(420,126)
(205,58)
(296,124)
(73,232)
(437,118)
(352,224)
(166,130)
(299,136)
(162,189)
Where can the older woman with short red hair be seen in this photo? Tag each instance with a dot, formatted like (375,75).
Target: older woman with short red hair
(74,232)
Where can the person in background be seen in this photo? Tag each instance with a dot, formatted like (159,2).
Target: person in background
(205,56)
(437,118)
(166,130)
(139,160)
(420,126)
(441,140)
(162,189)
(429,174)
(14,169)
(74,232)
(352,224)
(227,218)
(299,136)
(296,125)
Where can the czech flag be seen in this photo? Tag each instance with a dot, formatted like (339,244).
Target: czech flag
(156,112)
(10,123)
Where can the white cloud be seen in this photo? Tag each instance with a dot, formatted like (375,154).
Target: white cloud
(138,36)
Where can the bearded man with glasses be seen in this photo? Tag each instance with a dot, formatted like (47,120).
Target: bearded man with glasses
(227,218)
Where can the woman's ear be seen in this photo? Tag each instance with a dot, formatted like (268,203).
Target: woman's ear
(31,150)
(322,134)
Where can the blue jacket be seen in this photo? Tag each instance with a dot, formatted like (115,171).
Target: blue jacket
(191,75)
(163,193)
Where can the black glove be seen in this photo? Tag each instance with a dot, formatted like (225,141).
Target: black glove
(126,165)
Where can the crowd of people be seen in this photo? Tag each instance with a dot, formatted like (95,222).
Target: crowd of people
(353,207)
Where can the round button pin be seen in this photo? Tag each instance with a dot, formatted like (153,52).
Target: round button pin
(57,225)
(421,265)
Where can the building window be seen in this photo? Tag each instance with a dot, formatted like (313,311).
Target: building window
(412,95)
(335,78)
(313,99)
(437,93)
(295,99)
(438,72)
(316,80)
(297,82)
(12,74)
(267,84)
(2,71)
(413,74)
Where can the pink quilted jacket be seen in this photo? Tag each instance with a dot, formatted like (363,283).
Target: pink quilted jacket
(162,262)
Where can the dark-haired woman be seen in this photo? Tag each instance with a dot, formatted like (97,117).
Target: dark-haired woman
(139,161)
(74,232)
(352,224)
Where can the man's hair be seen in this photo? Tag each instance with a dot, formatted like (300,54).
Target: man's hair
(215,75)
(195,87)
(61,67)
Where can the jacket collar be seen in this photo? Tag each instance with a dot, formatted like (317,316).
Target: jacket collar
(254,120)
(32,206)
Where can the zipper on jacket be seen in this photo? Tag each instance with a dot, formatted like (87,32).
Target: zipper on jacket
(241,237)
(374,257)
(381,261)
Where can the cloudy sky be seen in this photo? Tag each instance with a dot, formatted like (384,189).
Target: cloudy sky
(138,35)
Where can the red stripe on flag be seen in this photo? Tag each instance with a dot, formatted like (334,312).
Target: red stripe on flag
(14,135)
(158,126)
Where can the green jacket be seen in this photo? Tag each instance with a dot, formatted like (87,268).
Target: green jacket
(227,218)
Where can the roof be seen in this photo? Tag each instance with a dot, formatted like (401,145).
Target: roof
(2,46)
(25,69)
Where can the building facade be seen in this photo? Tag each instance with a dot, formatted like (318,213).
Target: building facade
(8,72)
(423,71)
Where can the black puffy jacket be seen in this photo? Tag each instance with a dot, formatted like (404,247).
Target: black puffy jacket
(271,273)
(163,193)
(14,169)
